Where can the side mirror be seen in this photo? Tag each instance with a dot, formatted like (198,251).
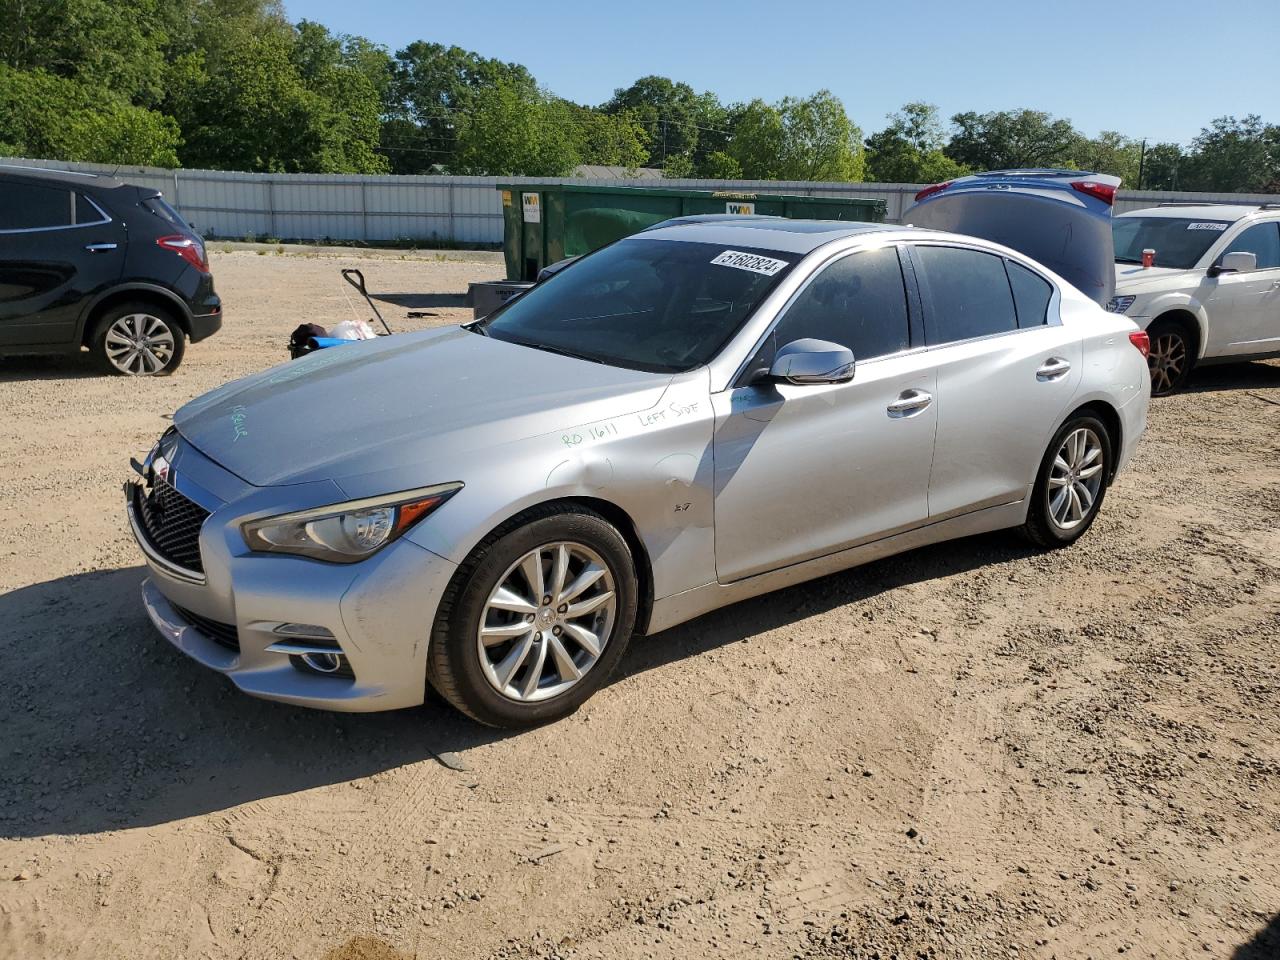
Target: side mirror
(1239,262)
(812,361)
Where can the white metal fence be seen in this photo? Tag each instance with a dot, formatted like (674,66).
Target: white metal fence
(441,209)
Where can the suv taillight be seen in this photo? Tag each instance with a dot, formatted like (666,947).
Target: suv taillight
(1099,191)
(188,248)
(1140,340)
(930,191)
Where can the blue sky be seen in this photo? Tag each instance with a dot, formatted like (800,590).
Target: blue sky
(1159,69)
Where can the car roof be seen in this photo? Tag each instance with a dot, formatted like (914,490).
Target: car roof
(71,178)
(1196,211)
(792,236)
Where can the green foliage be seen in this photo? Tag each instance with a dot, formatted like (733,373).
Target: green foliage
(909,149)
(507,132)
(46,116)
(231,84)
(809,139)
(1234,155)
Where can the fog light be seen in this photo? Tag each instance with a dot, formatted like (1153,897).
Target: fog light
(323,662)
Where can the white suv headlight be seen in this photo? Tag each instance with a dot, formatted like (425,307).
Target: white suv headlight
(345,532)
(1120,304)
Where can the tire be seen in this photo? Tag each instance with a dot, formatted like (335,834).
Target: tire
(1048,524)
(125,327)
(1173,354)
(493,680)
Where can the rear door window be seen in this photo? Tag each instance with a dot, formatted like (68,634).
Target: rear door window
(86,212)
(858,302)
(1031,295)
(31,207)
(968,293)
(1263,241)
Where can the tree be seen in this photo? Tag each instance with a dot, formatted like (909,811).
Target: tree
(431,88)
(1234,155)
(615,140)
(260,109)
(506,132)
(1011,138)
(809,139)
(1110,152)
(46,116)
(668,111)
(1160,168)
(909,149)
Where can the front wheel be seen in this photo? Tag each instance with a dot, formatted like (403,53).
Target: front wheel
(535,619)
(1071,484)
(1171,357)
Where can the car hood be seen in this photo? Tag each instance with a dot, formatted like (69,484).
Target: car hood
(397,401)
(1131,276)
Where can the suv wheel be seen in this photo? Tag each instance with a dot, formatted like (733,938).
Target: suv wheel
(1171,358)
(138,340)
(535,620)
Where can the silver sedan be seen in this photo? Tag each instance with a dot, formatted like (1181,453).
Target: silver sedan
(698,414)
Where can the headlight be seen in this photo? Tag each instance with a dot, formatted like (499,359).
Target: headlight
(1120,304)
(345,532)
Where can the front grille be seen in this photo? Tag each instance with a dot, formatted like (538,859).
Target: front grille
(225,634)
(172,525)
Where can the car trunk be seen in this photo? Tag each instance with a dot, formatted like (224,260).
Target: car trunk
(1039,214)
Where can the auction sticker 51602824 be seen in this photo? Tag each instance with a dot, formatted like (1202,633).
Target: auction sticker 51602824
(749,261)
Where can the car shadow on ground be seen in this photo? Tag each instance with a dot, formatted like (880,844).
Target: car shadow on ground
(1265,944)
(108,727)
(421,301)
(62,366)
(1257,375)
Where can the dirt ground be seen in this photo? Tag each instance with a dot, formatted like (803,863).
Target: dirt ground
(973,750)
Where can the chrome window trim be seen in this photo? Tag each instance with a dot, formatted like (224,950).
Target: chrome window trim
(106,218)
(1054,310)
(776,305)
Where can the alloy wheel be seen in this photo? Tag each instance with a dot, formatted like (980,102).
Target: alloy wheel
(1167,361)
(1075,478)
(546,623)
(139,344)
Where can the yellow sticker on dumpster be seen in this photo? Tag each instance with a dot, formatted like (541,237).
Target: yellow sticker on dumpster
(506,198)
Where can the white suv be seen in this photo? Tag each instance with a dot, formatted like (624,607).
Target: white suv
(1212,294)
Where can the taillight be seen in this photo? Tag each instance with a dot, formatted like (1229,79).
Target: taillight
(1099,191)
(930,191)
(188,248)
(1140,340)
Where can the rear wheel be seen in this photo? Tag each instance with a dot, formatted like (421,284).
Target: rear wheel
(138,340)
(1071,484)
(1172,356)
(535,620)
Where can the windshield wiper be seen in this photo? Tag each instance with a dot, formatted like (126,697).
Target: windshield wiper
(1127,260)
(557,350)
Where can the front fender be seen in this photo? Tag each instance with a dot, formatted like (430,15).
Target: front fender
(1166,303)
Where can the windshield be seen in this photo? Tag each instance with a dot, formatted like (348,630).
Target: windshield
(1177,242)
(658,305)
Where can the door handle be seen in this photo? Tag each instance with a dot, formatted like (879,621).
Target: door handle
(100,247)
(909,403)
(1055,368)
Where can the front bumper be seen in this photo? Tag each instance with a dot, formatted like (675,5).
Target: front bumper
(380,612)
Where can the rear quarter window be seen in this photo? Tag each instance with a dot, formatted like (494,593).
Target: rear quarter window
(968,292)
(1031,295)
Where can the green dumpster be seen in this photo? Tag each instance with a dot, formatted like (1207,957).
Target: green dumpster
(543,224)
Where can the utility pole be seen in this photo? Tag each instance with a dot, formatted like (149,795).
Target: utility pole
(1142,160)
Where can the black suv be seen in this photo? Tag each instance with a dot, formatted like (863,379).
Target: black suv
(89,261)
